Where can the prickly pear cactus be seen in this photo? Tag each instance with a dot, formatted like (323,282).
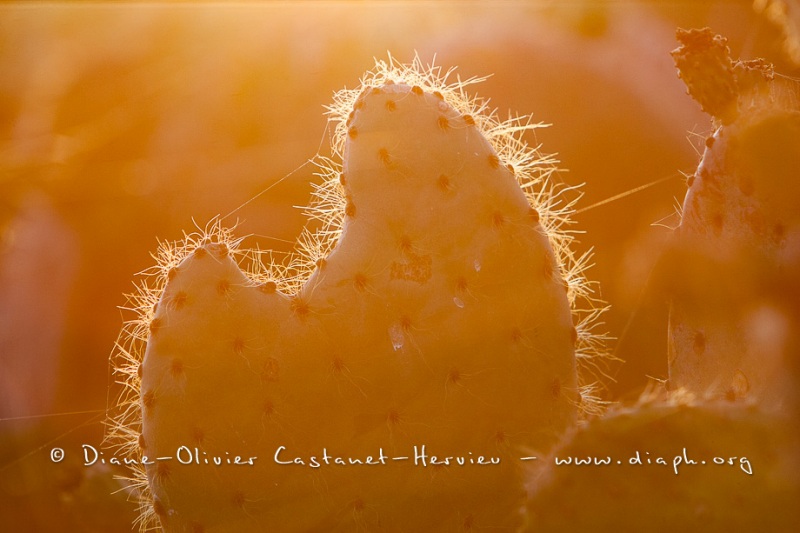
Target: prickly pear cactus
(671,464)
(691,459)
(734,317)
(437,306)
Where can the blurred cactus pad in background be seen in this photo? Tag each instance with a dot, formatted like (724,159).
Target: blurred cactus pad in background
(434,291)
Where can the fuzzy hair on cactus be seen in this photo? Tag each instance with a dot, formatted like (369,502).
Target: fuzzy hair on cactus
(436,304)
(734,316)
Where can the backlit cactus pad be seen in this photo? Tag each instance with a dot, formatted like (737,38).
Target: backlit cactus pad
(436,305)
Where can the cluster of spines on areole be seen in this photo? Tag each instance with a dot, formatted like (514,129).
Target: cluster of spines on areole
(534,171)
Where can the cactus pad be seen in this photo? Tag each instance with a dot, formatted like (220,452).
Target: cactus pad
(435,304)
(734,316)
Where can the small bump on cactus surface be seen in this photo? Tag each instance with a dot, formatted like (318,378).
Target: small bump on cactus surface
(428,308)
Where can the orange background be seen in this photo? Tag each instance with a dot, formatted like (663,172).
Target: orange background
(124,124)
